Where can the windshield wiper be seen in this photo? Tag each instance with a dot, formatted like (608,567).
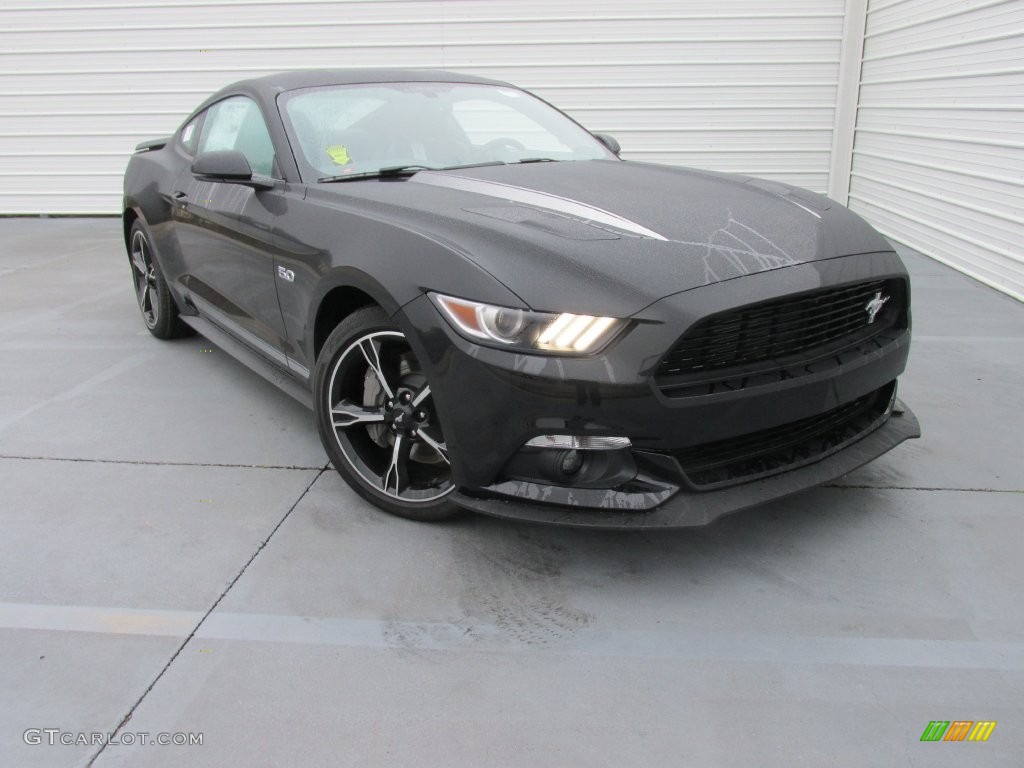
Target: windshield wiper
(380,173)
(484,164)
(409,170)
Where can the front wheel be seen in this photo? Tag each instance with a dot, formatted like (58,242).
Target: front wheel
(376,417)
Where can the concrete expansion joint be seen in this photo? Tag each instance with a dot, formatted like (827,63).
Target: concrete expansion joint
(861,486)
(142,462)
(212,608)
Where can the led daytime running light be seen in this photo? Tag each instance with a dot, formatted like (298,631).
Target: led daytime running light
(539,331)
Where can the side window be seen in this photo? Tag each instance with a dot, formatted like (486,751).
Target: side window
(190,135)
(237,123)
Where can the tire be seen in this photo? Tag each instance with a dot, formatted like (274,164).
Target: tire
(159,312)
(377,420)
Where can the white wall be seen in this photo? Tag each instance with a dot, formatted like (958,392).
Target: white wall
(737,85)
(938,161)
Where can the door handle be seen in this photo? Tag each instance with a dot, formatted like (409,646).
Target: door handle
(179,197)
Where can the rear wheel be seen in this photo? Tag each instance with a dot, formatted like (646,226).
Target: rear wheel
(376,417)
(159,312)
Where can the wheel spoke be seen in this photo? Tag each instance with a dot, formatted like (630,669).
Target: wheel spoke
(371,351)
(138,262)
(397,474)
(346,414)
(440,447)
(422,395)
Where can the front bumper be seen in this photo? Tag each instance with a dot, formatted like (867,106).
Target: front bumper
(691,508)
(491,402)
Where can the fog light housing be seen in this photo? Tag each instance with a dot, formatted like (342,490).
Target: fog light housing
(573,461)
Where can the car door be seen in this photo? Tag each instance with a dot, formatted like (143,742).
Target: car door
(225,232)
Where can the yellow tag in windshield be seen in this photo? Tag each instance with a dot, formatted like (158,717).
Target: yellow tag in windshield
(339,154)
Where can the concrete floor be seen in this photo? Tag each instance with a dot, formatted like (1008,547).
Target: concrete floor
(174,558)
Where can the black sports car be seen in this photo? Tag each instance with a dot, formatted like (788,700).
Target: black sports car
(487,309)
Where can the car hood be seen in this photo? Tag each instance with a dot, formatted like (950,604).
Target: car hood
(612,237)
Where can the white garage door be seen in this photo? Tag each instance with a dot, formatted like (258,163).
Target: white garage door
(939,154)
(738,85)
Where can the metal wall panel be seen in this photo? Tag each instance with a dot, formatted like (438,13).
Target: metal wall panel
(736,85)
(939,152)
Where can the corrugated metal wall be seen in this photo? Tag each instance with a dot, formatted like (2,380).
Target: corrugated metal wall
(738,85)
(939,152)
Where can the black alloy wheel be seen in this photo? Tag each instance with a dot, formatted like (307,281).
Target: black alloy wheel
(159,311)
(376,417)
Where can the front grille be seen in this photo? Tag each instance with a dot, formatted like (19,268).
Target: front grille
(779,449)
(774,334)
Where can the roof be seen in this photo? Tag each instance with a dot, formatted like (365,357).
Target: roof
(311,78)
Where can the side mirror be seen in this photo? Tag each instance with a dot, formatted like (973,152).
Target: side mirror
(610,142)
(228,166)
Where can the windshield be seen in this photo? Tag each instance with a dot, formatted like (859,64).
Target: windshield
(358,129)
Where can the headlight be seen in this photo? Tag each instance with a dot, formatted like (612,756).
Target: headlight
(562,333)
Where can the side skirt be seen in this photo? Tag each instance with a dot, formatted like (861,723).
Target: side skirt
(252,360)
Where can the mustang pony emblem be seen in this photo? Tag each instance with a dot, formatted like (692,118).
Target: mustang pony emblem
(874,306)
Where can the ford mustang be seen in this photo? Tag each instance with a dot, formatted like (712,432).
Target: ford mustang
(487,309)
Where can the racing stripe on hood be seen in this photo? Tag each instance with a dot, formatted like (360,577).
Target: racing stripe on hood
(536,199)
